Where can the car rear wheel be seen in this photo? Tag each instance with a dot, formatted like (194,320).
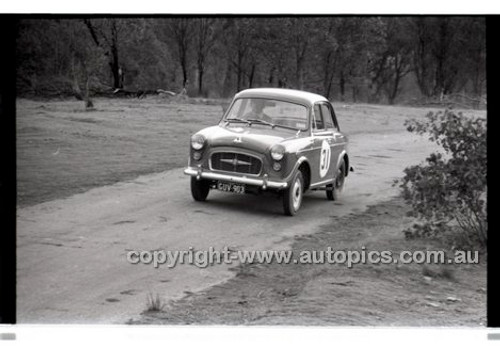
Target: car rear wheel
(199,189)
(334,190)
(292,196)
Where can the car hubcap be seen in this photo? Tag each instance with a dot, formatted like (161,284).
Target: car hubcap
(297,194)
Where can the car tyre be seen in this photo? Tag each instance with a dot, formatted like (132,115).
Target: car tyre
(293,195)
(199,189)
(334,190)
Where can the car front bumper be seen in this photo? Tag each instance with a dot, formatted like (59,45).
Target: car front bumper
(264,182)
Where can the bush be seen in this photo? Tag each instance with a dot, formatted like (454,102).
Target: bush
(449,189)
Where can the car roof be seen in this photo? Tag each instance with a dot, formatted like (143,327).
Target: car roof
(297,96)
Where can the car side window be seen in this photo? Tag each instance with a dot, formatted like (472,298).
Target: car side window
(327,116)
(318,123)
(335,122)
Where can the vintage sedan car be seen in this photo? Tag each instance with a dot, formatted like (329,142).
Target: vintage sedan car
(280,140)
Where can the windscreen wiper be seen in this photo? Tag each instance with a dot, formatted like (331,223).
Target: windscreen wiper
(256,120)
(236,119)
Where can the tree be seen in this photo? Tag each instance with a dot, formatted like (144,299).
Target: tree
(439,58)
(275,50)
(350,55)
(148,62)
(180,30)
(176,34)
(298,32)
(327,48)
(474,45)
(391,60)
(240,40)
(446,54)
(106,34)
(358,58)
(422,60)
(207,32)
(86,61)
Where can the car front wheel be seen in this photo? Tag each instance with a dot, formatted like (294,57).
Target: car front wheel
(333,190)
(292,196)
(199,189)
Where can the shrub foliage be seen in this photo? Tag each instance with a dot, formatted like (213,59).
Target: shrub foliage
(448,190)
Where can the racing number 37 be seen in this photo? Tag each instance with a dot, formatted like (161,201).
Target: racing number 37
(324,160)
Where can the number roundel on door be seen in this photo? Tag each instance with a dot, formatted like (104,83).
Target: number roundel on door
(324,159)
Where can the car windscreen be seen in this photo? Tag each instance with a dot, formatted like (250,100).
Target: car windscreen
(273,112)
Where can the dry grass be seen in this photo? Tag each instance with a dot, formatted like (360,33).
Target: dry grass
(154,303)
(63,149)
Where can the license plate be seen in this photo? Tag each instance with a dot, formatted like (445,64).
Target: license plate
(230,187)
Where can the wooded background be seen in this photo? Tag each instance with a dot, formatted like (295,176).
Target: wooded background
(367,59)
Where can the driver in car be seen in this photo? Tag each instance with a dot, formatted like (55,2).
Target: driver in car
(256,111)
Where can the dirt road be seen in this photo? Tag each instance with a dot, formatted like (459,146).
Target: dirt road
(72,265)
(332,294)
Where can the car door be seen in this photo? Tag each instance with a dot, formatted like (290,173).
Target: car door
(338,143)
(322,135)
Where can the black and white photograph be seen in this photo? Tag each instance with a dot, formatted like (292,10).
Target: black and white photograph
(322,170)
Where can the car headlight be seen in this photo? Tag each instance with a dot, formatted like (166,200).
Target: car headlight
(277,152)
(197,141)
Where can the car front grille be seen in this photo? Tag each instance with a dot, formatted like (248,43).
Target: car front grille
(236,163)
